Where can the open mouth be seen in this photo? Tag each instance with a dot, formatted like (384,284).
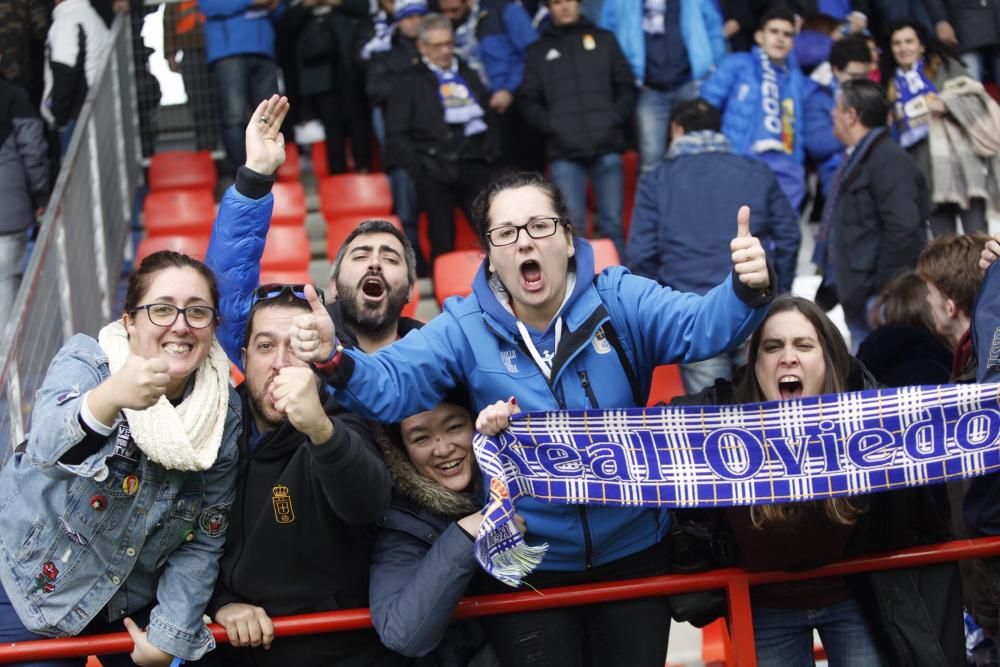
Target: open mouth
(177,349)
(531,276)
(373,288)
(451,467)
(789,386)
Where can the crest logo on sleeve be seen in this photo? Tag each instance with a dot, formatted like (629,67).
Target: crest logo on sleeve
(600,342)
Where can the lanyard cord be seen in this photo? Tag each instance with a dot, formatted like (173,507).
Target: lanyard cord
(545,365)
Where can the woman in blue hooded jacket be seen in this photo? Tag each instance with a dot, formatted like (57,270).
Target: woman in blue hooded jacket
(541,328)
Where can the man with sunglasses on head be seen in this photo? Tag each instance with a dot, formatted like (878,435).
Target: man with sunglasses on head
(311,481)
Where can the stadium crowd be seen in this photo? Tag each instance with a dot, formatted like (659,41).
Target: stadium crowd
(340,473)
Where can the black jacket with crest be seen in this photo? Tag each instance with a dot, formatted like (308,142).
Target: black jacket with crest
(301,534)
(578,91)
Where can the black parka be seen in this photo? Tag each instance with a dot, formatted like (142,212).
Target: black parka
(578,91)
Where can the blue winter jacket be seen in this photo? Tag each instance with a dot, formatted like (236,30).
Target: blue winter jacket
(475,342)
(504,33)
(234,253)
(981,506)
(238,27)
(824,149)
(683,221)
(735,89)
(701,28)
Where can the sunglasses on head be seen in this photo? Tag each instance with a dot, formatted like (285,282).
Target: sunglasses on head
(276,290)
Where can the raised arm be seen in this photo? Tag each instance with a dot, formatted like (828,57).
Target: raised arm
(241,224)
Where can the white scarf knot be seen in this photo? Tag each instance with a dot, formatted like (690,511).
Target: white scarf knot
(185,437)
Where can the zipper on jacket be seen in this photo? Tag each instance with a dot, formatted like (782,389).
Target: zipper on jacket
(588,545)
(588,389)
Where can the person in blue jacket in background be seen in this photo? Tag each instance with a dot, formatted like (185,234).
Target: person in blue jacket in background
(761,95)
(239,44)
(671,47)
(541,330)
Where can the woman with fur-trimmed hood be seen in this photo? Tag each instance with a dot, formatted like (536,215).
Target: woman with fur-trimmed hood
(423,559)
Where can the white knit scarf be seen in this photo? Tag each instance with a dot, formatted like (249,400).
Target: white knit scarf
(185,437)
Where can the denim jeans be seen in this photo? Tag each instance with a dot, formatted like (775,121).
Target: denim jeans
(701,374)
(241,83)
(784,637)
(652,118)
(606,176)
(975,61)
(406,207)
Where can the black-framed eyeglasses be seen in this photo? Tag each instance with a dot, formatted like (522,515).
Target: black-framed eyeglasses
(275,290)
(165,314)
(537,228)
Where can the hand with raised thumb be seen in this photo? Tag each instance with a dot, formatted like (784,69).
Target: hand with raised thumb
(140,383)
(144,653)
(495,418)
(749,259)
(313,335)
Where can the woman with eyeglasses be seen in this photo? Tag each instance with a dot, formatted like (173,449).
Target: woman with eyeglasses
(114,512)
(541,330)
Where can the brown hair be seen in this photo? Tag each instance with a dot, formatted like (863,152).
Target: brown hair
(903,303)
(138,282)
(838,367)
(512,180)
(951,264)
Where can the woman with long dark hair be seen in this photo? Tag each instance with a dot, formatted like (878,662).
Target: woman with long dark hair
(797,352)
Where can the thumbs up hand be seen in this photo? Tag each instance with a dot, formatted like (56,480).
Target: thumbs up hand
(313,335)
(749,260)
(139,383)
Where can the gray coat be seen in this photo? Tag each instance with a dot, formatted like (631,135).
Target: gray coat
(24,162)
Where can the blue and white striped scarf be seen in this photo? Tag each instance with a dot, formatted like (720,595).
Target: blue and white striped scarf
(715,456)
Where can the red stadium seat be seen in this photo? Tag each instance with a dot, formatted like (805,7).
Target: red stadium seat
(289,204)
(291,170)
(339,228)
(667,383)
(321,165)
(286,249)
(410,309)
(193,246)
(299,277)
(173,212)
(355,194)
(454,272)
(182,170)
(605,254)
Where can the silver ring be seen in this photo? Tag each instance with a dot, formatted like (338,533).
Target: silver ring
(281,145)
(263,119)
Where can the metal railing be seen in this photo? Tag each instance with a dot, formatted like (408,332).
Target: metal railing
(734,581)
(71,281)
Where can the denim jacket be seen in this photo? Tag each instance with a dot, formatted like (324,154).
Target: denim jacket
(79,540)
